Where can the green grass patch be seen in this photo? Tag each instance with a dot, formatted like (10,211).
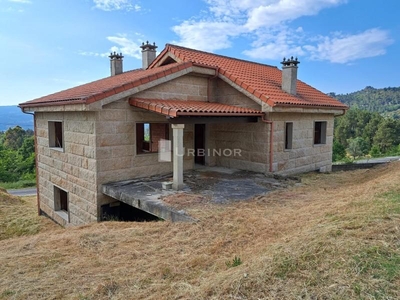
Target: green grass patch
(382,260)
(24,225)
(236,261)
(379,262)
(391,202)
(284,266)
(18,184)
(7,294)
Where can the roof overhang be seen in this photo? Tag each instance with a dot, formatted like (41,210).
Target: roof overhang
(180,108)
(99,93)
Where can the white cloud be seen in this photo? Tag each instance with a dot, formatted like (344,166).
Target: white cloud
(277,43)
(207,36)
(89,53)
(110,5)
(275,12)
(267,24)
(346,48)
(21,1)
(125,45)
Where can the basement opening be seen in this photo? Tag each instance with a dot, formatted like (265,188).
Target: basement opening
(119,211)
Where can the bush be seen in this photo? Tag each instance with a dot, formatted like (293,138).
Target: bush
(375,152)
(338,151)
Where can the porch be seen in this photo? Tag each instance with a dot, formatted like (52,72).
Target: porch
(205,133)
(203,185)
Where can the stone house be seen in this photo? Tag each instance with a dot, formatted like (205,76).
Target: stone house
(216,110)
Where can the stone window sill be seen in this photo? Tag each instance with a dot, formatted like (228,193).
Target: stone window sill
(63,214)
(57,149)
(147,153)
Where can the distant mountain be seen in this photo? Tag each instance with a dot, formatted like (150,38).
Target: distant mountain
(11,116)
(385,101)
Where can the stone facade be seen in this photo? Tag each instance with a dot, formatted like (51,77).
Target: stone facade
(72,168)
(187,87)
(305,155)
(99,146)
(249,142)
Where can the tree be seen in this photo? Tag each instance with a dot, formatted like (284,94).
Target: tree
(28,147)
(371,128)
(375,152)
(14,137)
(357,147)
(9,165)
(351,125)
(387,135)
(338,151)
(17,156)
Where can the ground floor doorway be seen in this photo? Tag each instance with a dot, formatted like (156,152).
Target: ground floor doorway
(200,144)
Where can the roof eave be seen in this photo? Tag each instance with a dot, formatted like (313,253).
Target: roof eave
(53,103)
(311,105)
(226,114)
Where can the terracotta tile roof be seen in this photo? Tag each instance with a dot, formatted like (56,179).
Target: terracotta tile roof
(176,108)
(263,81)
(100,89)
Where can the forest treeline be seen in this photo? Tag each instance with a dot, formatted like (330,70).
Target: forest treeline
(359,133)
(372,125)
(385,101)
(17,155)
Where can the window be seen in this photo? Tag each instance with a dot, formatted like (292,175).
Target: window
(56,134)
(319,133)
(288,135)
(61,202)
(148,136)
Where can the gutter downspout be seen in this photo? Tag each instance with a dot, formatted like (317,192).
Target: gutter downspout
(36,158)
(342,114)
(271,142)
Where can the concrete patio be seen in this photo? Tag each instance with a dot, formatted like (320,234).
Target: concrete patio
(202,185)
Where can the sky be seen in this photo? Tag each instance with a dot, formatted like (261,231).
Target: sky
(342,45)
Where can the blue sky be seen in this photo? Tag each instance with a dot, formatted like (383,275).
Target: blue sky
(343,45)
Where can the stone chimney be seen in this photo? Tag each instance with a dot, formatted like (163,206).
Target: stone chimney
(116,63)
(289,75)
(148,54)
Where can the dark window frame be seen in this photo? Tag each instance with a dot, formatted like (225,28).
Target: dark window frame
(56,134)
(61,202)
(320,132)
(288,135)
(146,142)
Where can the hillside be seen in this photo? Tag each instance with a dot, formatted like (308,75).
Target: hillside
(385,101)
(336,236)
(11,116)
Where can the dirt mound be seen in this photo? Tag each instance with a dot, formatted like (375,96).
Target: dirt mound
(6,198)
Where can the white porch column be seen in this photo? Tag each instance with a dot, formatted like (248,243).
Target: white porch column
(177,132)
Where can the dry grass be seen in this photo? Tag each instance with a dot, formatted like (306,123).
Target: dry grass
(334,237)
(18,216)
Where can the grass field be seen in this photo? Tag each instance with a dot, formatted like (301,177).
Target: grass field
(18,184)
(337,236)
